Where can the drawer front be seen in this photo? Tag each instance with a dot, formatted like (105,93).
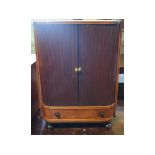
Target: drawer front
(73,114)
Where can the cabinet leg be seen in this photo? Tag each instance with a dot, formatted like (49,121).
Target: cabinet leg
(108,125)
(49,125)
(83,132)
(40,116)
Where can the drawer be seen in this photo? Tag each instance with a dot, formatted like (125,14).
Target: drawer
(78,114)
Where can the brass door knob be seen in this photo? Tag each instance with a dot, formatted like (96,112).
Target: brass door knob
(78,69)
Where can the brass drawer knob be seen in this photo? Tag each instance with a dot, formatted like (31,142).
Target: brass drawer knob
(101,114)
(57,114)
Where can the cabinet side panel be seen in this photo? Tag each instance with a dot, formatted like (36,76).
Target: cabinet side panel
(57,56)
(98,60)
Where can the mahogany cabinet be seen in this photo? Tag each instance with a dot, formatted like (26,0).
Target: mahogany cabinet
(77,68)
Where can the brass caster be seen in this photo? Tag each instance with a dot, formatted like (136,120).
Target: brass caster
(49,125)
(108,125)
(84,132)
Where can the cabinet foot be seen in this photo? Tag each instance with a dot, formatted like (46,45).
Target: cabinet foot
(49,125)
(108,125)
(83,132)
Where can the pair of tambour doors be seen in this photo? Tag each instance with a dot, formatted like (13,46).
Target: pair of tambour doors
(77,63)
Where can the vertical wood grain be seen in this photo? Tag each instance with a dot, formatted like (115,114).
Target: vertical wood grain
(61,48)
(37,70)
(57,48)
(98,60)
(117,70)
(34,91)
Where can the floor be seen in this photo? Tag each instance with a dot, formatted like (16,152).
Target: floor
(39,127)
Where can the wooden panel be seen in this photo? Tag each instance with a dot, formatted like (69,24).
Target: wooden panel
(77,114)
(117,73)
(98,60)
(34,91)
(57,56)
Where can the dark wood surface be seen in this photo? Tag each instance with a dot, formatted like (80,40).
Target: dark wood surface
(34,91)
(98,60)
(61,48)
(57,52)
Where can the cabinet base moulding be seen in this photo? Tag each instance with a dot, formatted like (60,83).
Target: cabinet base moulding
(78,114)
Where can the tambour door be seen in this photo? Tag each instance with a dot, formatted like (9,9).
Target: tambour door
(98,48)
(56,45)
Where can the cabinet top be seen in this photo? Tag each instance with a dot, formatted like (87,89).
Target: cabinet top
(78,21)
